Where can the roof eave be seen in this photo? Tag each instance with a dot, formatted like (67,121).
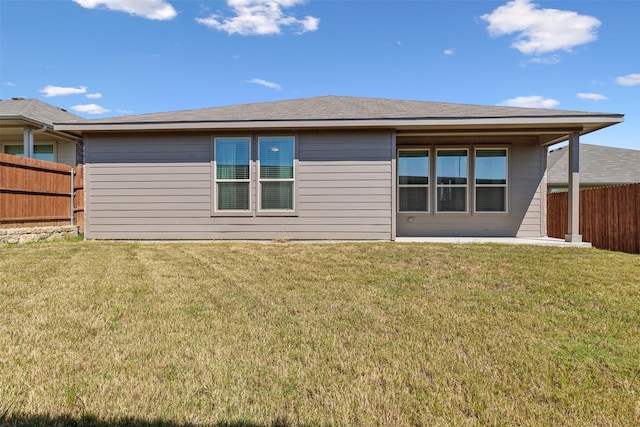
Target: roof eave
(27,120)
(596,122)
(47,127)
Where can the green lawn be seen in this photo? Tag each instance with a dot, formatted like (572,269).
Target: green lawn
(318,334)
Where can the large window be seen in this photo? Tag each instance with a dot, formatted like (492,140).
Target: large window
(232,174)
(491,180)
(413,180)
(40,151)
(451,180)
(276,157)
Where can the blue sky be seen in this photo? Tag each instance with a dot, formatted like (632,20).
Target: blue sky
(100,58)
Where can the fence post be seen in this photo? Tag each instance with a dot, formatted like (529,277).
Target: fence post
(73,190)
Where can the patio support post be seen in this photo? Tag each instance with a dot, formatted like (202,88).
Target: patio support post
(28,142)
(573,230)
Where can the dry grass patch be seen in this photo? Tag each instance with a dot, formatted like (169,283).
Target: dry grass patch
(318,334)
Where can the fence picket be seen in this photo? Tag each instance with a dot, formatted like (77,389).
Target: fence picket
(35,192)
(609,217)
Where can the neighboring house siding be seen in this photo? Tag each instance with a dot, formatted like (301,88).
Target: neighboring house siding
(525,216)
(66,153)
(160,187)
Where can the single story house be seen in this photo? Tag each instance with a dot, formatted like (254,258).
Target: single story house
(329,167)
(26,130)
(600,166)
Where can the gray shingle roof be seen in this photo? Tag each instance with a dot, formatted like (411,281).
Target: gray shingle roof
(341,108)
(598,165)
(35,111)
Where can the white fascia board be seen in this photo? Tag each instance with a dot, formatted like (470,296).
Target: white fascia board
(383,123)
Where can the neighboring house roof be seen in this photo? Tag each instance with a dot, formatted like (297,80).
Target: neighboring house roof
(18,113)
(34,111)
(351,112)
(599,165)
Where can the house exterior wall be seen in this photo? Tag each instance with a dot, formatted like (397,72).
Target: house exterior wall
(160,187)
(525,214)
(529,179)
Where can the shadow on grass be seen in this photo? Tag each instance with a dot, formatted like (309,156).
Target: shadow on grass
(92,421)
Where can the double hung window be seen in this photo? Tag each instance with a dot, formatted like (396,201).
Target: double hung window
(233,174)
(491,180)
(451,180)
(276,156)
(413,180)
(235,186)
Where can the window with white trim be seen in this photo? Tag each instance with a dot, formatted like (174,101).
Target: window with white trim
(40,151)
(491,180)
(451,180)
(232,159)
(413,180)
(276,173)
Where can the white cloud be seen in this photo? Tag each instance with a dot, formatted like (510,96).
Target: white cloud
(90,109)
(591,96)
(94,95)
(121,111)
(541,30)
(545,60)
(50,91)
(449,52)
(151,9)
(629,80)
(530,102)
(270,85)
(10,84)
(260,17)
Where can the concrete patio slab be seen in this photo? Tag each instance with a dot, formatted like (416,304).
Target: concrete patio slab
(538,241)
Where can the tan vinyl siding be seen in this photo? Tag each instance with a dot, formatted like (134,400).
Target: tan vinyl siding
(159,187)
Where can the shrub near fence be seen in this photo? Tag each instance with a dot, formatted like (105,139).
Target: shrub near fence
(609,217)
(35,192)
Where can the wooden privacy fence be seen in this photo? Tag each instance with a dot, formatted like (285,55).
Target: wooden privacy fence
(609,217)
(35,192)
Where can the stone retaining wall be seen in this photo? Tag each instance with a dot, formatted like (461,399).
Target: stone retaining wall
(36,234)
